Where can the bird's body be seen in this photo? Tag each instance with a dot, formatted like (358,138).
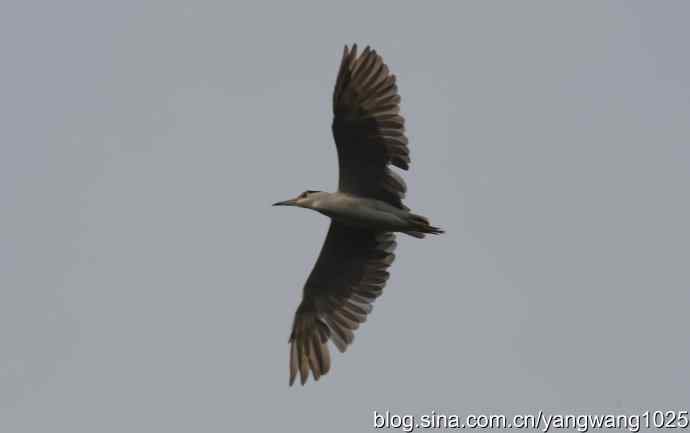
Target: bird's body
(366,211)
(361,212)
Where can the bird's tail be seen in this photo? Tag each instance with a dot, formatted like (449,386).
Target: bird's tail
(420,227)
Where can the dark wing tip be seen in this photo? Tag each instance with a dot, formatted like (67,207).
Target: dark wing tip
(308,347)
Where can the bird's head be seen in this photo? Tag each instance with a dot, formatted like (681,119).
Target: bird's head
(306,199)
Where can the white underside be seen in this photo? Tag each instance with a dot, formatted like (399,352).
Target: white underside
(363,212)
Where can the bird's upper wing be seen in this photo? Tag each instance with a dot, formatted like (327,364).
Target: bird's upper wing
(368,129)
(348,276)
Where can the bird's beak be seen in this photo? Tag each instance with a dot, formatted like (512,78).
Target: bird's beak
(291,202)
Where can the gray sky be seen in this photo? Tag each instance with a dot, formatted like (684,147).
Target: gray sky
(147,284)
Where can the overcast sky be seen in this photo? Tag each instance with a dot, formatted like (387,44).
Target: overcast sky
(147,285)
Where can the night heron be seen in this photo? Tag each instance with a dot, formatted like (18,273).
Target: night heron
(365,212)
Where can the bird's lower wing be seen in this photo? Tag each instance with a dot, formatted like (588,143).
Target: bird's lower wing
(348,276)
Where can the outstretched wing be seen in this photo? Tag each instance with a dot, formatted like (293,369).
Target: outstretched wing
(348,276)
(368,129)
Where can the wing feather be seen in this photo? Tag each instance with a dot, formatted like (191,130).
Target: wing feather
(368,129)
(348,276)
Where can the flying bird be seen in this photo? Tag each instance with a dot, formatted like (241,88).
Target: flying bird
(366,212)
